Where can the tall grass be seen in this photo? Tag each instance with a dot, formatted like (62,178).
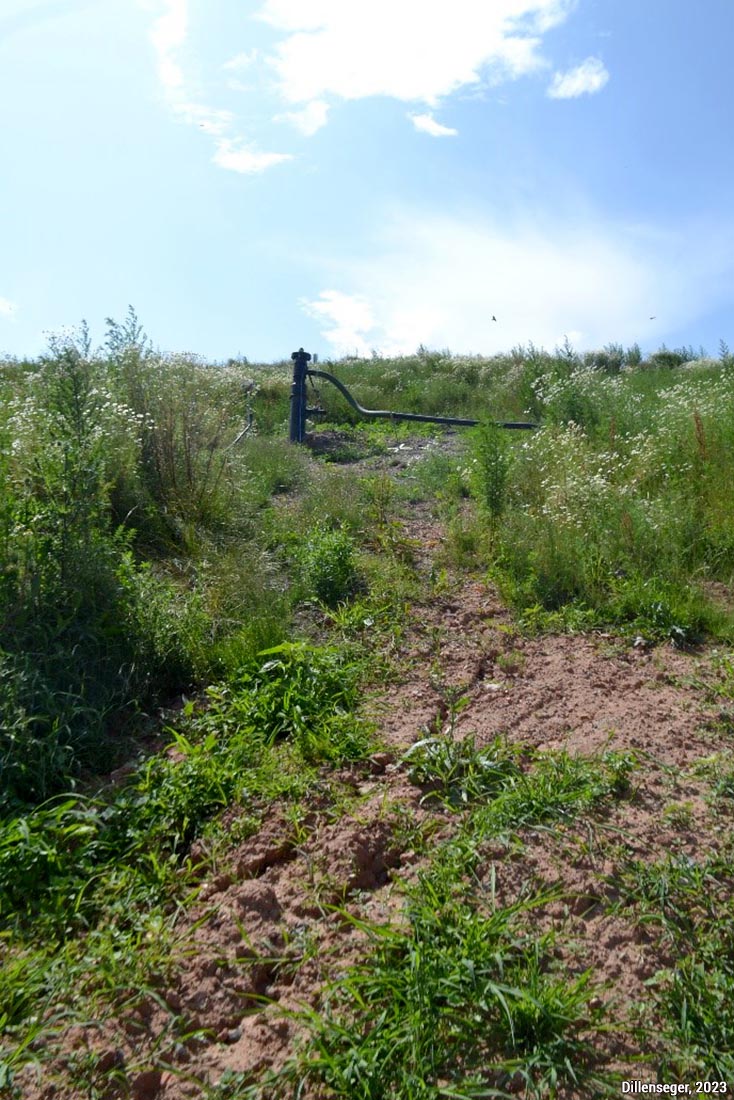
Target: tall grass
(121,502)
(618,510)
(141,552)
(620,503)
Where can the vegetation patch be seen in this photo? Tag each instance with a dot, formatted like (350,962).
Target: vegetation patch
(460,1002)
(192,611)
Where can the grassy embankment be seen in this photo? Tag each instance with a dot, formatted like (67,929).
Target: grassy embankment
(143,559)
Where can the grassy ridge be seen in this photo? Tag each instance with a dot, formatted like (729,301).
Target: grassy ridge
(617,512)
(128,519)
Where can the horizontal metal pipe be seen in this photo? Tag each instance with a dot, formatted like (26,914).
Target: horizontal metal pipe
(425,419)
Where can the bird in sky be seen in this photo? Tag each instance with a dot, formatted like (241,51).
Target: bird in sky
(652,318)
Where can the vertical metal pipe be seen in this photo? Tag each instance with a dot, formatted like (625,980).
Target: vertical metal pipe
(298,396)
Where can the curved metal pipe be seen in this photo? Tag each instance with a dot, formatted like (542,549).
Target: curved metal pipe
(425,419)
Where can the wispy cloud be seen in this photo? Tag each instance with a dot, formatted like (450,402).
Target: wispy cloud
(348,318)
(241,61)
(417,52)
(168,36)
(586,79)
(427,124)
(440,280)
(412,51)
(312,118)
(7,308)
(236,155)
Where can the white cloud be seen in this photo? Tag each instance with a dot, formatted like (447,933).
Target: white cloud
(241,61)
(427,125)
(416,50)
(586,79)
(311,119)
(168,36)
(548,16)
(348,318)
(439,281)
(238,156)
(7,308)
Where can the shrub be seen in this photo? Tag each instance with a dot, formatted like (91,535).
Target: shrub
(665,357)
(609,360)
(329,567)
(490,469)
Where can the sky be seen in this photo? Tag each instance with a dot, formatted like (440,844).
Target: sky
(352,177)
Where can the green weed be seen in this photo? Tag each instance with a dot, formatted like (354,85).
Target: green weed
(556,789)
(696,1000)
(306,693)
(459,1003)
(457,770)
(435,476)
(690,903)
(490,468)
(679,895)
(329,567)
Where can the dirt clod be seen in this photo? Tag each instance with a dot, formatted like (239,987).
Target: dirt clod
(147,1085)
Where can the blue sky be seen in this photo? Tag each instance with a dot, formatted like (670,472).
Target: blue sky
(349,176)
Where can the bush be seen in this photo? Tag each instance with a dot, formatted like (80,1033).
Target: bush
(329,567)
(490,469)
(667,358)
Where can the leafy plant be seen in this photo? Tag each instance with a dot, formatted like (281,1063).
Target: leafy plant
(557,788)
(308,693)
(490,469)
(329,566)
(457,770)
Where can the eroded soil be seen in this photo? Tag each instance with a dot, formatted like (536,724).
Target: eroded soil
(264,935)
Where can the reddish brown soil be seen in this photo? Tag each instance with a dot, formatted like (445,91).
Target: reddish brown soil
(264,936)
